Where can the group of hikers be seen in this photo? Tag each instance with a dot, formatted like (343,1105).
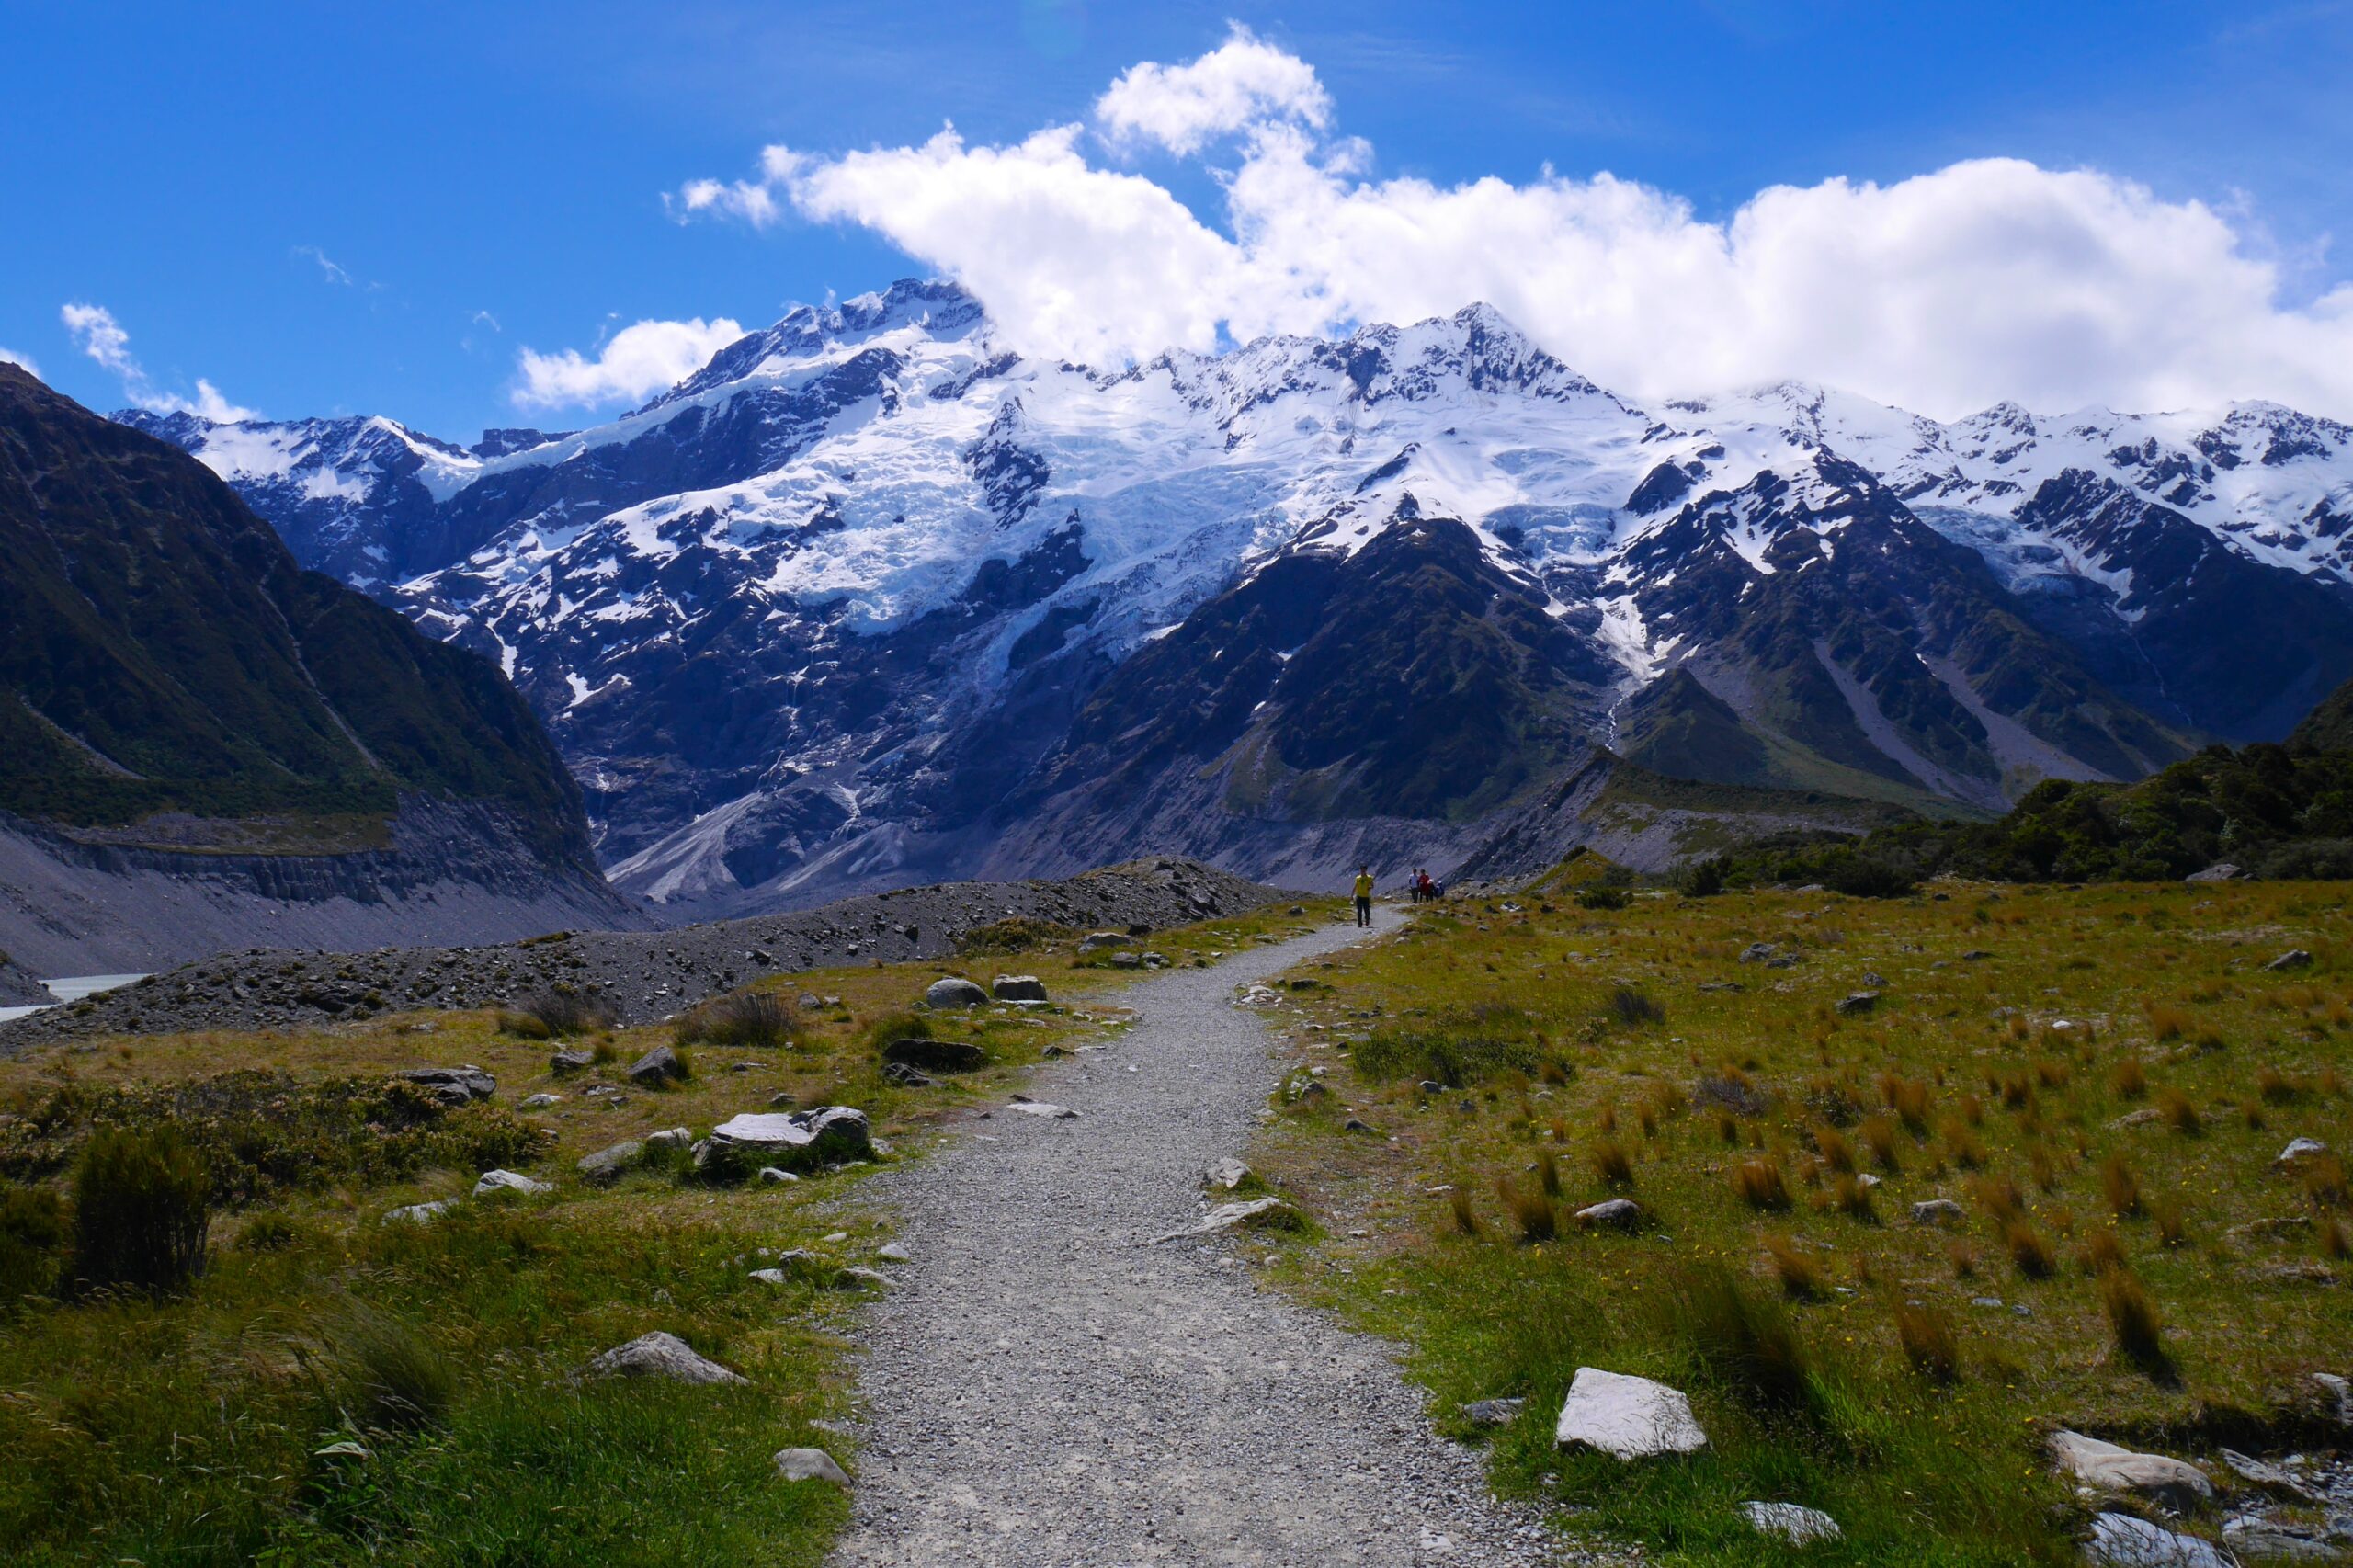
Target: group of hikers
(1419,887)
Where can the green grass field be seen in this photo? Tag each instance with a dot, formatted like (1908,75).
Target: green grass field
(2099,1078)
(338,1389)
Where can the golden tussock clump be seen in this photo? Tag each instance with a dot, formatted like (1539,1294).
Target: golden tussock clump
(1929,1341)
(1801,1278)
(1760,1184)
(1612,1164)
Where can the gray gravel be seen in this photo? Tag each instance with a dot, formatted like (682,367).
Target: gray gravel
(1044,1387)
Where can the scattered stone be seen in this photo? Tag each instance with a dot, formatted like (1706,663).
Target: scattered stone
(1126,960)
(772,1175)
(790,1140)
(855,1278)
(606,1165)
(1227,1216)
(1229,1173)
(1868,1181)
(658,1066)
(566,1062)
(1975,955)
(2334,1395)
(452,1086)
(809,1464)
(779,1101)
(1626,1418)
(1017,988)
(1493,1412)
(1611,1213)
(2301,1149)
(2221,871)
(542,1102)
(2293,959)
(949,992)
(1851,1007)
(895,1253)
(936,1055)
(1938,1211)
(1431,1086)
(1355,1125)
(1050,1051)
(2177,1482)
(1039,1107)
(508,1181)
(2272,1544)
(419,1213)
(906,1077)
(669,1141)
(2140,1117)
(2120,1540)
(659,1354)
(1758,953)
(2271,1477)
(1798,1526)
(1099,941)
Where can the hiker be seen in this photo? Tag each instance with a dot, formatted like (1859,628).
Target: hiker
(1364,895)
(1424,890)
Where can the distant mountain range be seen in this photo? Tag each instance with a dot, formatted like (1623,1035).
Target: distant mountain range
(873,599)
(198,736)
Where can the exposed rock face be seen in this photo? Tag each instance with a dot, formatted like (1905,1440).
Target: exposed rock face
(2097,1463)
(1627,1417)
(2120,1540)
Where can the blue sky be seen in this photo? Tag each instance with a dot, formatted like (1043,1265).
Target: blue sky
(328,210)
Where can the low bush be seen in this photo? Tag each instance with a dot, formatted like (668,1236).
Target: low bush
(1014,934)
(564,1011)
(34,1230)
(1634,1007)
(142,1205)
(1601,896)
(747,1018)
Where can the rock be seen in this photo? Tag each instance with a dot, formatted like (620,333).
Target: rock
(658,1066)
(2220,871)
(2301,1149)
(1493,1412)
(1626,1418)
(1126,960)
(508,1181)
(1792,1523)
(542,1102)
(1100,941)
(659,1354)
(419,1213)
(2333,1394)
(936,1055)
(606,1165)
(1355,1125)
(1868,1181)
(669,1141)
(1229,1173)
(2174,1482)
(1611,1213)
(1040,1109)
(452,1086)
(895,1253)
(1227,1216)
(2293,959)
(1431,1086)
(1758,953)
(949,992)
(789,1139)
(2253,1542)
(565,1061)
(1938,1211)
(809,1464)
(1851,1007)
(2120,1540)
(2271,1477)
(857,1279)
(1017,988)
(906,1077)
(771,1176)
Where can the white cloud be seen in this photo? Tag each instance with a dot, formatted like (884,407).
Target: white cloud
(333,271)
(1242,83)
(10,357)
(635,363)
(1988,280)
(98,335)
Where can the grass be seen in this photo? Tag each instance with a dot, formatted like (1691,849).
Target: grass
(336,1389)
(1850,1368)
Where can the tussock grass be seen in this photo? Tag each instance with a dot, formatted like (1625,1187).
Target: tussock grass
(1930,1347)
(1612,1165)
(2029,1251)
(1531,1210)
(1800,1275)
(765,1019)
(2132,1318)
(1760,1185)
(2178,1112)
(2127,1080)
(2121,1188)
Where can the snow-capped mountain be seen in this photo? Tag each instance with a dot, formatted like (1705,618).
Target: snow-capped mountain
(873,598)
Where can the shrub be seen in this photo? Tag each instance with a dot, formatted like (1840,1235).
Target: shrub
(1530,1210)
(269,1232)
(1014,934)
(1599,895)
(33,1233)
(2139,1335)
(1801,1279)
(747,1018)
(1704,879)
(1760,1184)
(141,1204)
(1929,1344)
(1743,1342)
(2028,1251)
(1634,1007)
(1612,1164)
(560,1011)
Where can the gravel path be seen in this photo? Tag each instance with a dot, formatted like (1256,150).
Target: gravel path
(1046,1388)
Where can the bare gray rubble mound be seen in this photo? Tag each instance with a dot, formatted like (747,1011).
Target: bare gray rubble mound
(19,985)
(637,976)
(1073,1365)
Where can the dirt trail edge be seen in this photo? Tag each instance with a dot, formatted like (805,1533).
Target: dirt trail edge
(1045,1387)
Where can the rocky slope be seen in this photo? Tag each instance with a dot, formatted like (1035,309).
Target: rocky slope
(638,975)
(874,599)
(184,711)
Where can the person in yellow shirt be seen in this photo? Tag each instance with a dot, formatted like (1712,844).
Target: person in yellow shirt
(1364,895)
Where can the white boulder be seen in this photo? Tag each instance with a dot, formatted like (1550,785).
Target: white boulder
(1626,1418)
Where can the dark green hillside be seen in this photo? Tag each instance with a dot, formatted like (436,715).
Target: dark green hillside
(2329,727)
(160,651)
